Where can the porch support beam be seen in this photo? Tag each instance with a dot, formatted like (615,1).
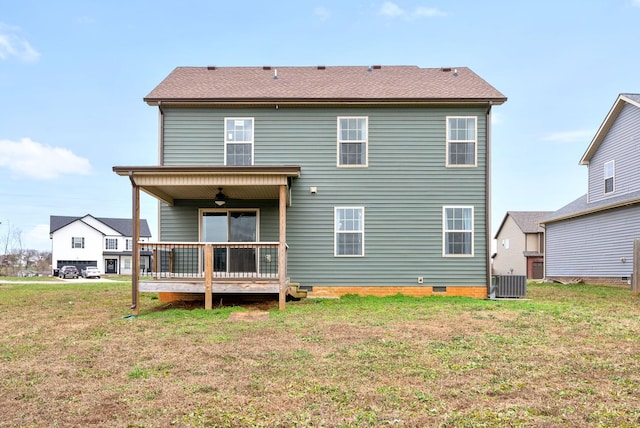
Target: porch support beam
(208,276)
(135,263)
(282,251)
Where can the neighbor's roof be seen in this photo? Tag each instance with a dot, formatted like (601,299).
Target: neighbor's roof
(527,221)
(124,226)
(581,206)
(621,101)
(323,85)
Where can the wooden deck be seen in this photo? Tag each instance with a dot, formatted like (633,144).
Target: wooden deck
(195,285)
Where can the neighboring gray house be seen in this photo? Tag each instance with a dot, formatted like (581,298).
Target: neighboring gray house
(337,180)
(592,237)
(520,245)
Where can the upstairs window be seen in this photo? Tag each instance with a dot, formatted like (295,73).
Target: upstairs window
(77,242)
(352,141)
(349,231)
(128,245)
(457,231)
(461,141)
(238,141)
(609,175)
(111,244)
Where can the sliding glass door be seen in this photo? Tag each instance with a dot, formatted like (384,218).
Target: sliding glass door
(231,226)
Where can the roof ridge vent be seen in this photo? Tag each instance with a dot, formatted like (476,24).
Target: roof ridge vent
(377,67)
(322,67)
(266,67)
(211,67)
(445,69)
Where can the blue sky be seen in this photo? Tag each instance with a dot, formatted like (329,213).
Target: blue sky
(73,75)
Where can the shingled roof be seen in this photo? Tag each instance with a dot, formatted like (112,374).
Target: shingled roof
(582,206)
(121,225)
(527,221)
(323,85)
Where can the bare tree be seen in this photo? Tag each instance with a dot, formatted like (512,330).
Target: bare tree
(13,256)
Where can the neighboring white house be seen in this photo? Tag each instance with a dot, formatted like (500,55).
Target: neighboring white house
(95,241)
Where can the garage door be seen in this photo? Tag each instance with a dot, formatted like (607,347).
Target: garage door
(80,264)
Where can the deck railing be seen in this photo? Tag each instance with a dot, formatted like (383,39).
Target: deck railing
(230,260)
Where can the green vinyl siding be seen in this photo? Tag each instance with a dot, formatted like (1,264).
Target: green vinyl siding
(402,190)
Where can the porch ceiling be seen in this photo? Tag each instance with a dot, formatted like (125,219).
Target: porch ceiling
(169,183)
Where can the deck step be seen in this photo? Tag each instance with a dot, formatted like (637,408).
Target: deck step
(295,291)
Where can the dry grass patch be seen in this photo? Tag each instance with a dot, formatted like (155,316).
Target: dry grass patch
(570,356)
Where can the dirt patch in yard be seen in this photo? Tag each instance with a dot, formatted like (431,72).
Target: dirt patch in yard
(248,302)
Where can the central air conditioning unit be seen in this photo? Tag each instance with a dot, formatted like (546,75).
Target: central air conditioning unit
(508,286)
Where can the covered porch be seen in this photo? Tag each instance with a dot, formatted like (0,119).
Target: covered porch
(236,263)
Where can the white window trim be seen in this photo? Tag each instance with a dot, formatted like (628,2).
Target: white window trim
(475,143)
(613,177)
(253,137)
(73,242)
(335,231)
(106,244)
(365,141)
(444,231)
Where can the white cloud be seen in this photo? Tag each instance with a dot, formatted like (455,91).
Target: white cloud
(582,135)
(322,13)
(496,118)
(392,10)
(38,238)
(12,45)
(27,158)
(427,12)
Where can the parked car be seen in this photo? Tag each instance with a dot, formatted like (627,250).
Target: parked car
(91,272)
(68,272)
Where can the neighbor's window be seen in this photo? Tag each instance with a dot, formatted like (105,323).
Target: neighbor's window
(111,244)
(128,245)
(457,231)
(238,141)
(349,231)
(461,141)
(609,174)
(77,242)
(352,141)
(127,263)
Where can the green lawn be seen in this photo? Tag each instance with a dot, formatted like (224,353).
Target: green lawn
(569,355)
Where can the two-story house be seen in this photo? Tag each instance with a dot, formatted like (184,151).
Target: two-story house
(591,238)
(338,180)
(520,245)
(106,243)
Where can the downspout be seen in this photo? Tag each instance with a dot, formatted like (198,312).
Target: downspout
(160,160)
(487,208)
(160,134)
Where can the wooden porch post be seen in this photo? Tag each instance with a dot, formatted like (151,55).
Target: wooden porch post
(135,253)
(282,251)
(208,276)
